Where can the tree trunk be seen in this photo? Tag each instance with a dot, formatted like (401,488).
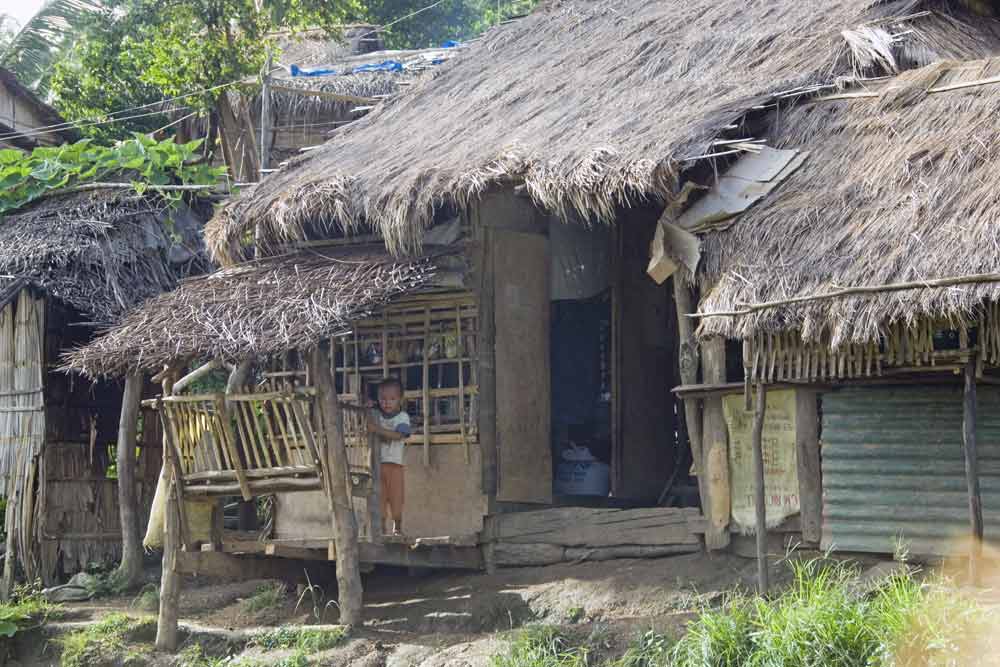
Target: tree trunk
(130,568)
(345,526)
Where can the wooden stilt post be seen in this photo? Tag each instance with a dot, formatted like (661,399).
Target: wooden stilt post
(758,487)
(345,527)
(130,568)
(689,361)
(170,579)
(717,506)
(170,583)
(972,469)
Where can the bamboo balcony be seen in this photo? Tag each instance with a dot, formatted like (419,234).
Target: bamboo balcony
(254,444)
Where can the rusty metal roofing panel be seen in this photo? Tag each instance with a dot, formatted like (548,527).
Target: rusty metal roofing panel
(894,471)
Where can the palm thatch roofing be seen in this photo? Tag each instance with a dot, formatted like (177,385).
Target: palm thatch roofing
(259,308)
(899,186)
(103,251)
(590,104)
(339,93)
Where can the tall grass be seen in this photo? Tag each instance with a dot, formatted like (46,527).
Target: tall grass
(826,619)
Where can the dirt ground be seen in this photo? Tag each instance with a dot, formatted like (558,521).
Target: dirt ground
(461,620)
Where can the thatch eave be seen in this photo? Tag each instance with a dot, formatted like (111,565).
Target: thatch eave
(587,102)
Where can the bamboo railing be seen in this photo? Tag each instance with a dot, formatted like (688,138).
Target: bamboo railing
(252,444)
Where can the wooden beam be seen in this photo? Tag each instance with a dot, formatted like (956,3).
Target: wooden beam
(972,469)
(170,580)
(808,464)
(760,505)
(196,374)
(689,359)
(715,449)
(337,467)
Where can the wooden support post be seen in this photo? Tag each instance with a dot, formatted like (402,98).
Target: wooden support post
(130,568)
(375,499)
(689,360)
(265,116)
(760,506)
(248,506)
(427,386)
(972,469)
(170,579)
(345,528)
(172,458)
(715,450)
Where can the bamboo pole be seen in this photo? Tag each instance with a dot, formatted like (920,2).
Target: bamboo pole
(758,489)
(972,470)
(850,291)
(426,387)
(461,381)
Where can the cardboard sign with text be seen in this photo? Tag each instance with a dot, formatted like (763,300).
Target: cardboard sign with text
(781,481)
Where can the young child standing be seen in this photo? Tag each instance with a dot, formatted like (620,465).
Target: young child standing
(391,423)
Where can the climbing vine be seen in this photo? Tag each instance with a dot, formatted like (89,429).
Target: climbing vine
(140,161)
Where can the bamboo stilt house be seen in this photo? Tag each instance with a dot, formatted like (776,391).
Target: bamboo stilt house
(22,115)
(70,263)
(541,162)
(318,85)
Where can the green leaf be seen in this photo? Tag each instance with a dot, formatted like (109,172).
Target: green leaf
(140,187)
(10,156)
(8,629)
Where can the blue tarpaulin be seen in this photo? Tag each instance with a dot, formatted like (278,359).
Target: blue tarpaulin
(298,71)
(384,66)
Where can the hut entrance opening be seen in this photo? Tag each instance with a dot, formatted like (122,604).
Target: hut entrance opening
(615,425)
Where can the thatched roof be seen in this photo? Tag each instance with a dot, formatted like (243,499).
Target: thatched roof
(258,308)
(896,188)
(591,104)
(102,252)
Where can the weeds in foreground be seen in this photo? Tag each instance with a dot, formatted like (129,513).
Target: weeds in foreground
(117,639)
(148,598)
(542,646)
(650,649)
(267,596)
(26,610)
(307,640)
(824,619)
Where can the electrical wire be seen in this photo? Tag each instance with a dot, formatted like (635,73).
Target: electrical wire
(107,118)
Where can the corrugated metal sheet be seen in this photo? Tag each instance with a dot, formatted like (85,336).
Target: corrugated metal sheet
(893,468)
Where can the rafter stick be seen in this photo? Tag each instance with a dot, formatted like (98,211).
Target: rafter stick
(851,291)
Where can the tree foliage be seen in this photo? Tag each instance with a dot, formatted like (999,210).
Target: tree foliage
(145,161)
(135,52)
(9,28)
(33,51)
(450,20)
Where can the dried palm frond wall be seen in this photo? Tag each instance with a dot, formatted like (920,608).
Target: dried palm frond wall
(591,104)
